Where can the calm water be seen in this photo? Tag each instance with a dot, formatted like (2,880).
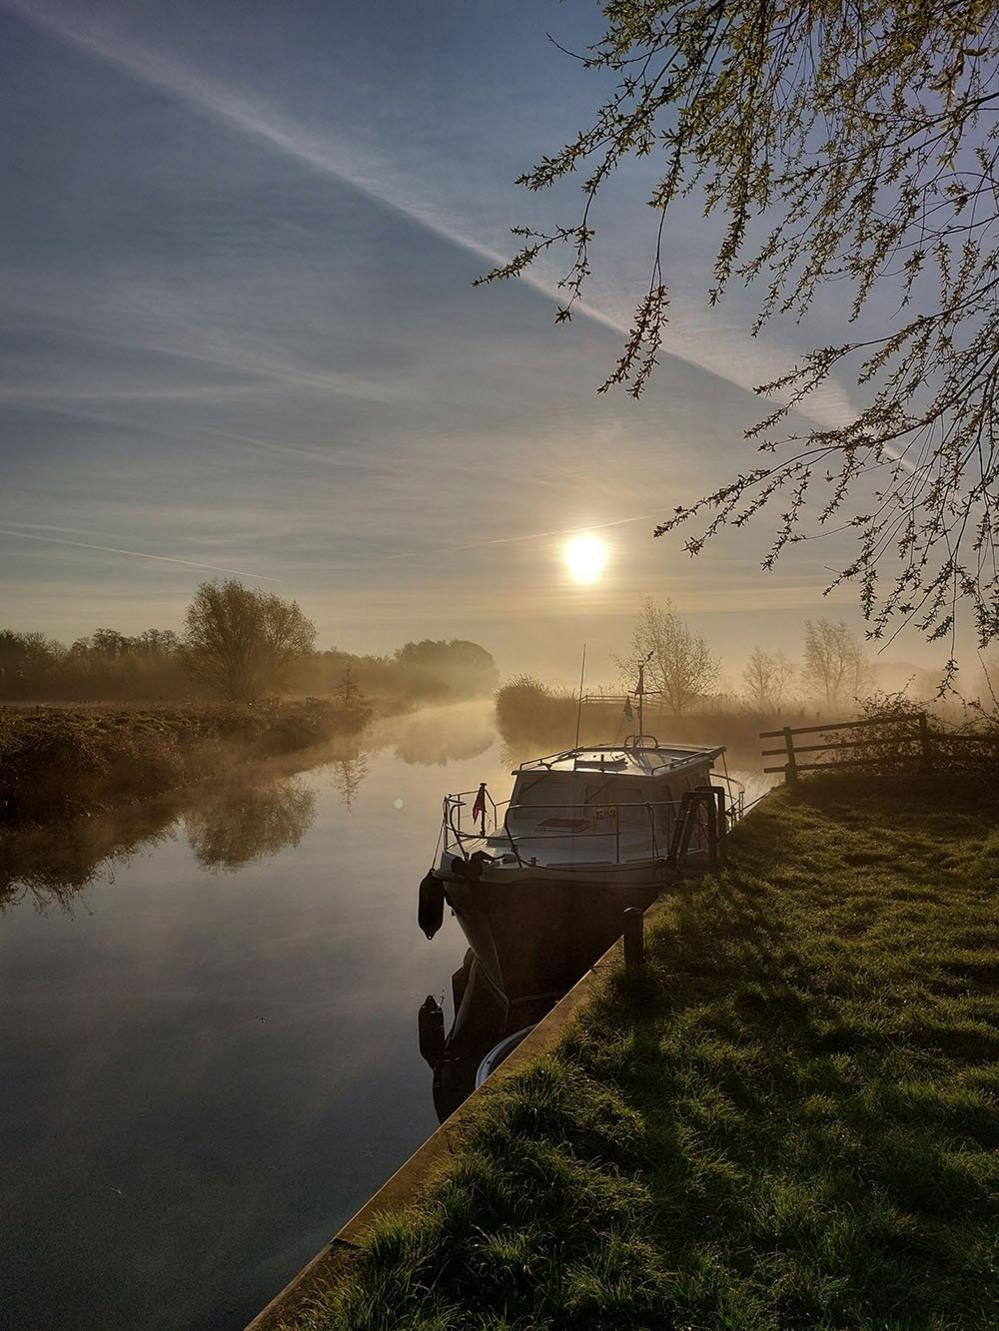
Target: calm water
(209,1052)
(209,1040)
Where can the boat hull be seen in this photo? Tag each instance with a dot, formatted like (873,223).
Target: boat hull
(535,934)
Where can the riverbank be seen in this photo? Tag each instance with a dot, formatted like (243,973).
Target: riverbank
(788,1121)
(58,762)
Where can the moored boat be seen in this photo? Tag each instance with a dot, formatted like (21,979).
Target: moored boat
(539,883)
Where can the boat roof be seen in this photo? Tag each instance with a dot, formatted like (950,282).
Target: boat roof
(623,759)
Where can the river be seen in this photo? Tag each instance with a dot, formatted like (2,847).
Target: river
(208,1030)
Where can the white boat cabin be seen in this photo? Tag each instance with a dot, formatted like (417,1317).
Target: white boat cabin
(603,803)
(586,807)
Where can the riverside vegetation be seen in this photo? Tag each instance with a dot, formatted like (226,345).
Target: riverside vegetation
(59,762)
(242,648)
(788,1121)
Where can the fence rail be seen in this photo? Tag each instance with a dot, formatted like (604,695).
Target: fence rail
(912,730)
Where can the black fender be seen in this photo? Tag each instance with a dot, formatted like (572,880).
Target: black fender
(430,912)
(431,1024)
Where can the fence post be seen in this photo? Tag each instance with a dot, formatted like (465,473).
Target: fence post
(791,766)
(634,939)
(924,741)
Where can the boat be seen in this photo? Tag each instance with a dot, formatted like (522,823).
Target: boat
(539,882)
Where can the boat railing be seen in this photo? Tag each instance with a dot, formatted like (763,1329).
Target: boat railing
(723,810)
(456,835)
(487,825)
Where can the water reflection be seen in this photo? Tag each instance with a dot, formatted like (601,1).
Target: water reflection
(439,735)
(246,822)
(347,774)
(52,865)
(210,1071)
(231,825)
(483,1017)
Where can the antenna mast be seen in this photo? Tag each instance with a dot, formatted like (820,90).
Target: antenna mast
(579,705)
(641,693)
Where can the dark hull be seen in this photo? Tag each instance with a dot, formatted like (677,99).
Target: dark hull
(535,937)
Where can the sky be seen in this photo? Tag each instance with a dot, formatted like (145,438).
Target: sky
(240,337)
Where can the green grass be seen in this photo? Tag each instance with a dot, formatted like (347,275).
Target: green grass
(789,1122)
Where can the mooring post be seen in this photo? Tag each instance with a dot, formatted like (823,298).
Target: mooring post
(634,939)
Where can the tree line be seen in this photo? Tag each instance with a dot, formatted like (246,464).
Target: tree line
(237,644)
(834,670)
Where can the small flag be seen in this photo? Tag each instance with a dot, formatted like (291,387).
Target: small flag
(629,715)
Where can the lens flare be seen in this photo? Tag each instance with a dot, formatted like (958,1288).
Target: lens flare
(585,557)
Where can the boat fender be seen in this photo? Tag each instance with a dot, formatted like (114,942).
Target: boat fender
(430,912)
(431,1023)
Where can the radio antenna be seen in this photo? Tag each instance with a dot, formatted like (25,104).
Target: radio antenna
(579,705)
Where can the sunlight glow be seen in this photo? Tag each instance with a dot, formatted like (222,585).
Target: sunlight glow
(585,557)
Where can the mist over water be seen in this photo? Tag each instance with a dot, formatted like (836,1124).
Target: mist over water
(208,1025)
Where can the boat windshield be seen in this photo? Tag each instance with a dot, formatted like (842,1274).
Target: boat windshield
(587,800)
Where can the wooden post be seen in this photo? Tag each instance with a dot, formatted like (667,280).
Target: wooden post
(634,939)
(924,742)
(791,768)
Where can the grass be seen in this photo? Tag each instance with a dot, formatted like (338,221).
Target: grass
(789,1121)
(59,762)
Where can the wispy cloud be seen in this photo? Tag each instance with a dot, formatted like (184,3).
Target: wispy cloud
(9,530)
(523,536)
(741,360)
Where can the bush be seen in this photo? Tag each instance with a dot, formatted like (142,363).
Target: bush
(526,709)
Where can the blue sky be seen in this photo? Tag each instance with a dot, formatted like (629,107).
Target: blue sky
(239,333)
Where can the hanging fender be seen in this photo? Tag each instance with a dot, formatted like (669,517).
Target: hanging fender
(432,1040)
(430,912)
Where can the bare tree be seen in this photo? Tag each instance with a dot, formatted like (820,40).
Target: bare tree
(854,143)
(240,642)
(680,665)
(767,677)
(835,665)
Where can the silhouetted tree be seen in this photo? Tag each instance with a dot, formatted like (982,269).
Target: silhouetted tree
(240,642)
(842,142)
(834,664)
(767,677)
(682,667)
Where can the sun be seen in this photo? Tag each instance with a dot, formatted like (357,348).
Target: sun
(585,557)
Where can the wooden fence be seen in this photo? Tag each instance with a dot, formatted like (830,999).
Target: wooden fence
(926,744)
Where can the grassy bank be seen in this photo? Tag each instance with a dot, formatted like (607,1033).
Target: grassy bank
(58,762)
(789,1122)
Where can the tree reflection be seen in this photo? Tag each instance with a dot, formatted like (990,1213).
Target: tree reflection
(52,865)
(348,773)
(435,736)
(246,822)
